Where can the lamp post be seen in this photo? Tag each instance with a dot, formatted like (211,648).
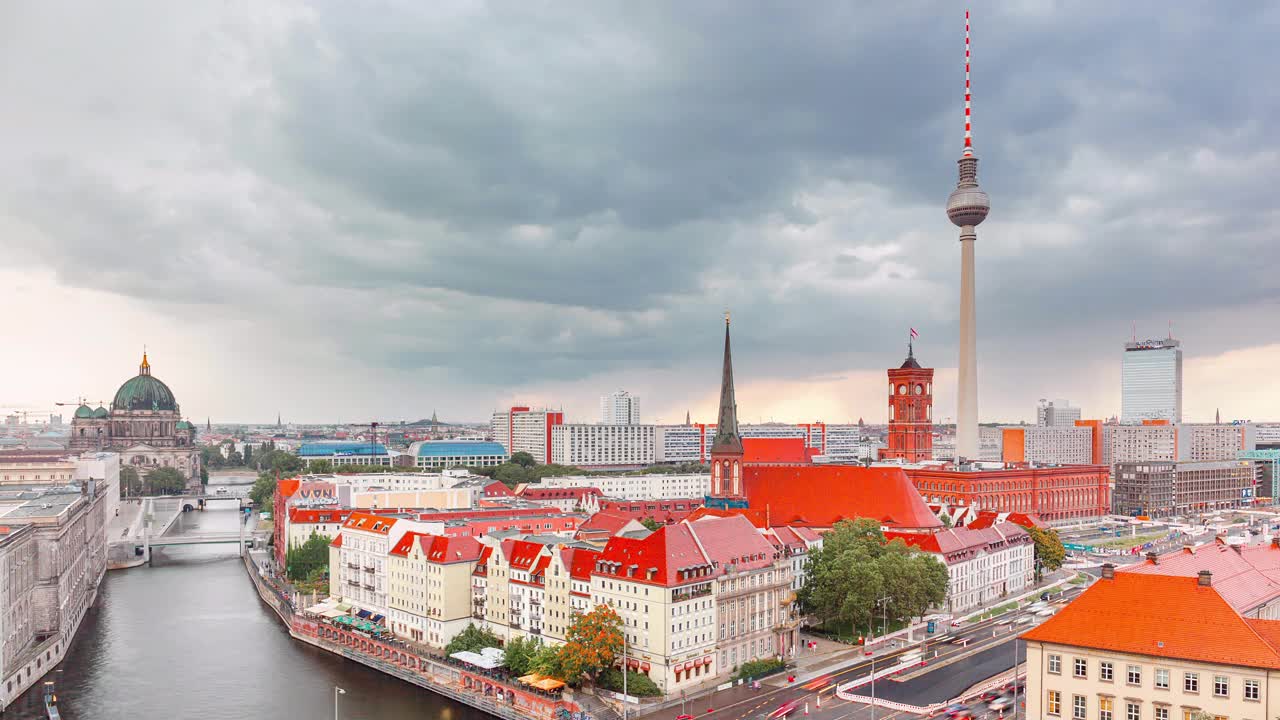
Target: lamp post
(336,692)
(883,604)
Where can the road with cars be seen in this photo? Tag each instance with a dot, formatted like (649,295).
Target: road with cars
(952,663)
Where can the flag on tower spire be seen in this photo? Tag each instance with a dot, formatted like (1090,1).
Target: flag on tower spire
(968,96)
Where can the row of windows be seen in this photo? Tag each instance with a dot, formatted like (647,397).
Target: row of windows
(1221,686)
(1107,707)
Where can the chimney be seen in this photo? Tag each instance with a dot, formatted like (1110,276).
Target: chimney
(1153,558)
(1205,578)
(1108,571)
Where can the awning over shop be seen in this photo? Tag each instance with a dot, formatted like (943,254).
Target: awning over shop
(363,614)
(344,607)
(488,662)
(333,614)
(548,684)
(377,618)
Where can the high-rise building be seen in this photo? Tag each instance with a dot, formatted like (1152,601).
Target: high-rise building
(521,429)
(1151,381)
(1056,412)
(619,408)
(967,207)
(609,445)
(910,411)
(1049,445)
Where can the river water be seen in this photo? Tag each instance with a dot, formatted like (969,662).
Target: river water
(189,638)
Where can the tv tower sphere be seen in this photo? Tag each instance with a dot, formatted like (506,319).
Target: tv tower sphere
(968,205)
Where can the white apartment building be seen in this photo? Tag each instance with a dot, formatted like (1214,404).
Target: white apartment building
(522,429)
(1174,442)
(692,443)
(582,445)
(619,408)
(982,565)
(1151,381)
(1053,444)
(1221,442)
(638,487)
(363,547)
(679,443)
(1056,412)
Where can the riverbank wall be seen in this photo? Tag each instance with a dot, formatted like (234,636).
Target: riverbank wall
(463,684)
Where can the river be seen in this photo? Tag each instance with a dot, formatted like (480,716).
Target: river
(189,638)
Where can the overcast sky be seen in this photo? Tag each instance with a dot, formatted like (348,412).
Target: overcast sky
(354,211)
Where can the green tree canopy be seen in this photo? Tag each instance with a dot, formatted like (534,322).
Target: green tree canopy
(650,523)
(164,481)
(302,560)
(1050,554)
(130,483)
(523,459)
(856,568)
(473,639)
(320,467)
(520,653)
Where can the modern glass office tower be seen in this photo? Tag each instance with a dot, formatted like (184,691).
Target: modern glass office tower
(1151,381)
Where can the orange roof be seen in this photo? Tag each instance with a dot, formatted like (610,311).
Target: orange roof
(775,450)
(1189,622)
(337,542)
(369,522)
(287,487)
(823,495)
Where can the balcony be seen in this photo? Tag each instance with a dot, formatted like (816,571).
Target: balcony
(369,569)
(514,624)
(353,566)
(369,586)
(535,630)
(353,583)
(479,615)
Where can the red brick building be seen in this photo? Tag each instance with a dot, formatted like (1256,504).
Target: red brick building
(910,411)
(1053,493)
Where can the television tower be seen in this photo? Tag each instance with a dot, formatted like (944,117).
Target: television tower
(967,208)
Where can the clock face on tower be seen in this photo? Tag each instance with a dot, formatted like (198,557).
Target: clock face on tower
(902,389)
(919,389)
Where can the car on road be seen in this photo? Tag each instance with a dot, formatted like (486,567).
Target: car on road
(1044,596)
(1004,702)
(1045,612)
(684,717)
(954,709)
(1004,621)
(784,710)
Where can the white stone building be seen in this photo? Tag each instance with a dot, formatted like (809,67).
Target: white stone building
(582,445)
(982,565)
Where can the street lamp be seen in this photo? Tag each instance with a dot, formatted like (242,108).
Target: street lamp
(336,692)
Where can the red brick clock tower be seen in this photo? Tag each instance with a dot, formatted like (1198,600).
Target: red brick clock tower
(910,411)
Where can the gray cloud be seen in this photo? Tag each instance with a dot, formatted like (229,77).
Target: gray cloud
(511,195)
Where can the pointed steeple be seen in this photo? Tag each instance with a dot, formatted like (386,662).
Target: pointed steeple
(278,423)
(1217,417)
(727,439)
(686,418)
(145,367)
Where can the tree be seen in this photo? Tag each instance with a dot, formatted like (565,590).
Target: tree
(593,641)
(650,523)
(1050,554)
(204,475)
(300,561)
(638,684)
(510,474)
(546,662)
(248,455)
(320,467)
(130,483)
(472,639)
(164,481)
(263,491)
(523,459)
(519,654)
(856,568)
(946,520)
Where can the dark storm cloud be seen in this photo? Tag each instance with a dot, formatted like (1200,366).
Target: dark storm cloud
(518,192)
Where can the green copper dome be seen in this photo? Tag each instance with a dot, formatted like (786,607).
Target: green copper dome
(184,425)
(84,411)
(101,412)
(144,392)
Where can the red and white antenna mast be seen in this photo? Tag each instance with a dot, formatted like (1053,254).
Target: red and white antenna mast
(968,125)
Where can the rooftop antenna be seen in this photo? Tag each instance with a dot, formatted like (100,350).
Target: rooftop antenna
(968,126)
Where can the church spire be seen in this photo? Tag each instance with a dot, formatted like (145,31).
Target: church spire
(727,439)
(145,367)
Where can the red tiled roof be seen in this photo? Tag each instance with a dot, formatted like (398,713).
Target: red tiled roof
(808,534)
(961,541)
(451,549)
(337,542)
(407,541)
(987,518)
(497,489)
(1246,578)
(611,523)
(1158,616)
(520,553)
(821,495)
(575,493)
(369,522)
(775,450)
(485,552)
(581,562)
(667,551)
(287,487)
(733,541)
(313,515)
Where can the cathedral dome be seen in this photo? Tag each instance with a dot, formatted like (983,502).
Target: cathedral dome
(144,392)
(84,411)
(101,412)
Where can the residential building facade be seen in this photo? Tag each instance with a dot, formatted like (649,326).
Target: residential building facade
(523,429)
(619,408)
(582,445)
(982,565)
(1056,412)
